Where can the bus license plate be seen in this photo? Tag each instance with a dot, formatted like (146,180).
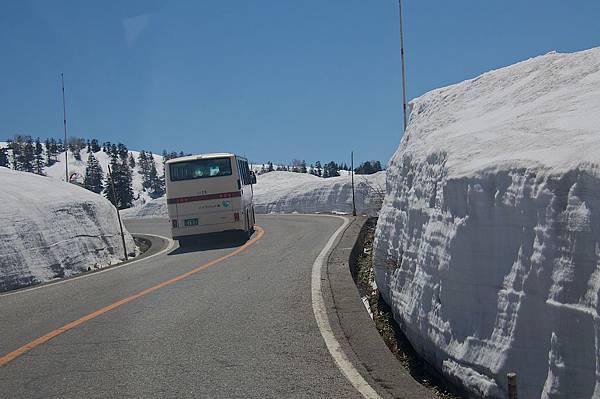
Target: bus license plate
(190,222)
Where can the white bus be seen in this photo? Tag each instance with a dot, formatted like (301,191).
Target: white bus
(209,193)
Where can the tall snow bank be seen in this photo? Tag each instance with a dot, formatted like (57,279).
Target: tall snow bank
(51,229)
(288,192)
(488,243)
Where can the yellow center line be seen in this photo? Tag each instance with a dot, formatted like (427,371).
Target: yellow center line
(9,357)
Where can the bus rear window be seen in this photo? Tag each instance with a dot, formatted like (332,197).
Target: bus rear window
(200,168)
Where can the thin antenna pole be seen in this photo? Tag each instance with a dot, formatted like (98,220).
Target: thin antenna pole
(403,67)
(352,174)
(114,195)
(62,80)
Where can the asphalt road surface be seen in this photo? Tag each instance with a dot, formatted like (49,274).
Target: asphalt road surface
(242,327)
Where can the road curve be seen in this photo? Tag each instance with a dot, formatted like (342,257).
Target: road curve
(242,327)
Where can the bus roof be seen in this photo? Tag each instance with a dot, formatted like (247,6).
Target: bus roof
(203,156)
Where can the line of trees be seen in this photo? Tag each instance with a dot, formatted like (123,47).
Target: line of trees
(330,169)
(23,153)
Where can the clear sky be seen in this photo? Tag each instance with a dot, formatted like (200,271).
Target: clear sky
(273,79)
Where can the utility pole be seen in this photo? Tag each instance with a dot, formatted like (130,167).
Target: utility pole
(352,174)
(62,80)
(403,68)
(114,195)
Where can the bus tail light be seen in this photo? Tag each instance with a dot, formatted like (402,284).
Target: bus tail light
(236,216)
(174,223)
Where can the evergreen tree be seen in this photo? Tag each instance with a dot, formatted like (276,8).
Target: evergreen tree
(142,163)
(269,166)
(122,180)
(368,167)
(93,174)
(38,161)
(47,146)
(303,166)
(16,150)
(156,186)
(3,158)
(131,161)
(319,169)
(330,170)
(26,156)
(95,147)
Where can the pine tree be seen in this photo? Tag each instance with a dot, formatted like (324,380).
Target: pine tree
(3,158)
(94,145)
(16,150)
(303,166)
(26,156)
(330,169)
(93,174)
(38,161)
(131,161)
(122,180)
(126,185)
(319,168)
(156,186)
(269,166)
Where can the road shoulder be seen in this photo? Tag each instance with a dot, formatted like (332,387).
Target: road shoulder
(355,330)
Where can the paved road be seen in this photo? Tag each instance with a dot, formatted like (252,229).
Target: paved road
(243,327)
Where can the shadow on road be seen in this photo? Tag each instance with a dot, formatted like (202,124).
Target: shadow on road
(207,242)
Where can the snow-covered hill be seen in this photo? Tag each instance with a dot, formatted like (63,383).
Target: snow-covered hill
(57,171)
(50,229)
(77,170)
(488,243)
(288,192)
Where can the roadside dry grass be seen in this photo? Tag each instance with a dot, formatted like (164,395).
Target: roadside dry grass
(362,271)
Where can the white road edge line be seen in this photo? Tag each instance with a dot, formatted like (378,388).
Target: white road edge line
(320,311)
(109,269)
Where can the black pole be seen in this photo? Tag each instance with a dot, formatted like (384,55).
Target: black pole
(62,80)
(403,68)
(352,174)
(114,195)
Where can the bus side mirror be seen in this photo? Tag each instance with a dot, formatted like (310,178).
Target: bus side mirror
(252,178)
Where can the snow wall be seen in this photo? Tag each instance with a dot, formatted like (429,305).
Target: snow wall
(488,243)
(50,229)
(288,192)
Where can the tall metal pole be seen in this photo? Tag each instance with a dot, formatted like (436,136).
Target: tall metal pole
(403,68)
(114,195)
(352,174)
(62,80)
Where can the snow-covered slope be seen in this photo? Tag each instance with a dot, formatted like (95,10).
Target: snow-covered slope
(58,170)
(288,192)
(488,243)
(51,229)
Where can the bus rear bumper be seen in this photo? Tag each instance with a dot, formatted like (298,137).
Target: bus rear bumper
(180,232)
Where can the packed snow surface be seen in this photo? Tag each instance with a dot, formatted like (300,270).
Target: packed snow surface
(289,192)
(488,243)
(51,229)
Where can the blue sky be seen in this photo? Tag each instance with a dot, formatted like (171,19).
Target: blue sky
(272,79)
